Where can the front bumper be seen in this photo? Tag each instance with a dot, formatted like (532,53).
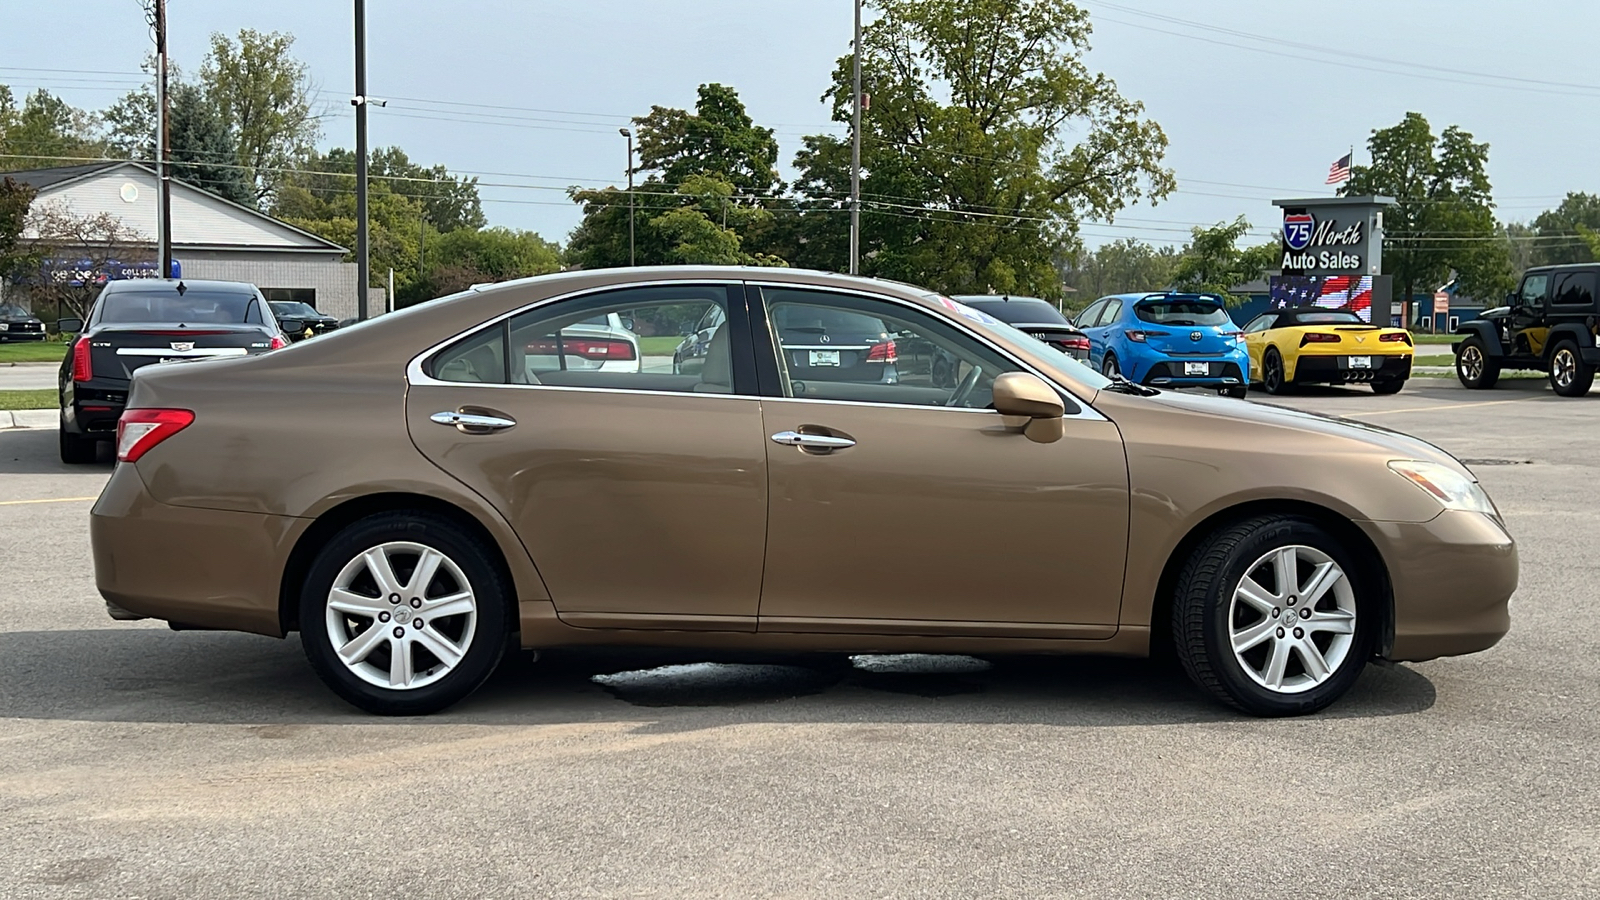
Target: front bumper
(202,568)
(1452,579)
(18,337)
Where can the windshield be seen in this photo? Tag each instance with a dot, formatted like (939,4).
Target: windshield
(1328,318)
(1057,364)
(167,305)
(1181,312)
(13,311)
(294,309)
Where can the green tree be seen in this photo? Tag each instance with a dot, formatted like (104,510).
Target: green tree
(16,258)
(1213,263)
(707,196)
(1558,232)
(448,202)
(1443,224)
(987,141)
(1121,266)
(321,198)
(45,131)
(461,258)
(203,146)
(265,94)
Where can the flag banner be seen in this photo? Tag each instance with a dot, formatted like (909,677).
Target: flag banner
(1339,172)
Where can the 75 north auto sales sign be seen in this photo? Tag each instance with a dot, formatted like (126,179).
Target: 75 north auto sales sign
(1316,245)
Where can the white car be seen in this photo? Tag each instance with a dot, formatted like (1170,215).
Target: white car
(601,343)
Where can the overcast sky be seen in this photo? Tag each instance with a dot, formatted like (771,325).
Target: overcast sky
(1248,120)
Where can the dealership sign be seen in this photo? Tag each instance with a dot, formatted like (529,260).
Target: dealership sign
(88,272)
(1332,235)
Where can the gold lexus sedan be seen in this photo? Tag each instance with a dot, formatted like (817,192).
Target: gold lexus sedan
(777,470)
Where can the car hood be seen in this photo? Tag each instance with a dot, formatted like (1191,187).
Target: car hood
(1255,422)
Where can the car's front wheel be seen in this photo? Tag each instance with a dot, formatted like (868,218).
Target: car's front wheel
(1109,366)
(404,613)
(1273,617)
(1474,369)
(1569,377)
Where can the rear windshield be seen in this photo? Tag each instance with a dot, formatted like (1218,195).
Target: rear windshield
(821,320)
(1023,310)
(1337,317)
(1181,312)
(194,305)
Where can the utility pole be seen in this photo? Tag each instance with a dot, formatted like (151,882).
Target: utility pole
(855,153)
(163,145)
(628,133)
(363,264)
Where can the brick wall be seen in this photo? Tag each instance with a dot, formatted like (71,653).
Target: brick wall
(334,281)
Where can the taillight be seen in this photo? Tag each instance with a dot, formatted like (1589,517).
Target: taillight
(140,429)
(882,353)
(585,348)
(82,369)
(1073,343)
(1319,337)
(1140,336)
(1395,337)
(278,343)
(1234,336)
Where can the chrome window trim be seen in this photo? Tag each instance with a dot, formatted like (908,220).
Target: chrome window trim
(417,375)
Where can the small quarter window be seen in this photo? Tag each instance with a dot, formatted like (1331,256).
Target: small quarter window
(478,359)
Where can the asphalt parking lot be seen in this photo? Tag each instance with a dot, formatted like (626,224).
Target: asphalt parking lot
(139,762)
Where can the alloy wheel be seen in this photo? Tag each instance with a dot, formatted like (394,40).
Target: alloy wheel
(401,615)
(1292,619)
(1564,368)
(1471,362)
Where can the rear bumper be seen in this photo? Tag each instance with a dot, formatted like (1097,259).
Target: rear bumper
(1336,369)
(1452,578)
(95,408)
(232,561)
(1221,372)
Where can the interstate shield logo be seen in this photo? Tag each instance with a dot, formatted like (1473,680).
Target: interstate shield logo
(1297,230)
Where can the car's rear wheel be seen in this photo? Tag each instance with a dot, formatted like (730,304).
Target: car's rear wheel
(1273,617)
(404,613)
(1388,386)
(1109,366)
(1569,377)
(76,449)
(1474,369)
(1272,372)
(1236,391)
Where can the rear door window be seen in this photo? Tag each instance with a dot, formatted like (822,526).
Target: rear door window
(1575,289)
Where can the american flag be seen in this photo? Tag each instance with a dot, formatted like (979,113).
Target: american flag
(1339,172)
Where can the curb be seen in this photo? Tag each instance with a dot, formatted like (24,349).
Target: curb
(29,418)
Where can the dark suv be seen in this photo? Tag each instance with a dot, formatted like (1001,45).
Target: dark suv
(1548,325)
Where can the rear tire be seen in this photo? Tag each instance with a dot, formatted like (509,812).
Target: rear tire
(1230,594)
(370,570)
(1474,369)
(1273,378)
(1569,377)
(77,450)
(1388,386)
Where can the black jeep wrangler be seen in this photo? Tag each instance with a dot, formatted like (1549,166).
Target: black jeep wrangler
(1548,324)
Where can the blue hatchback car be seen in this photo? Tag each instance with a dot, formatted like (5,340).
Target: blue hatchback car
(1167,340)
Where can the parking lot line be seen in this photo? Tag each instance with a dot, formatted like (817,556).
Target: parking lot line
(1411,409)
(47,500)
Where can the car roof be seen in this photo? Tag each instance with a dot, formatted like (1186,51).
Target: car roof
(143,285)
(1295,312)
(1158,295)
(1561,267)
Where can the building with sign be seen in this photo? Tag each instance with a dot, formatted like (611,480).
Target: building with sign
(212,238)
(1332,256)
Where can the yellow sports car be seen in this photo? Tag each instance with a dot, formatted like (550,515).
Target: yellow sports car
(1311,345)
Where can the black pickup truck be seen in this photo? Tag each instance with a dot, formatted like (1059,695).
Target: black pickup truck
(143,322)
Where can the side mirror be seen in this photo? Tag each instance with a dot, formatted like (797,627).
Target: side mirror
(292,326)
(627,322)
(1025,395)
(69,326)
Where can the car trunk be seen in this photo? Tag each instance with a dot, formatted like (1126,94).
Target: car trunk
(1179,340)
(119,351)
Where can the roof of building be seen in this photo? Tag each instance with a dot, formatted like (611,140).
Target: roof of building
(201,220)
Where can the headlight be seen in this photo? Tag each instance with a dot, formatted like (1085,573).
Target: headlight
(5,326)
(1452,489)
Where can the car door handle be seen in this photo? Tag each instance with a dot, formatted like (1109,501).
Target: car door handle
(472,423)
(823,442)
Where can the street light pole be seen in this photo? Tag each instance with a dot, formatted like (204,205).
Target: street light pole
(363,263)
(628,133)
(163,146)
(855,153)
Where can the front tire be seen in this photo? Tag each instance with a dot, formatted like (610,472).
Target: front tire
(1109,366)
(405,613)
(1272,617)
(1569,377)
(1474,369)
